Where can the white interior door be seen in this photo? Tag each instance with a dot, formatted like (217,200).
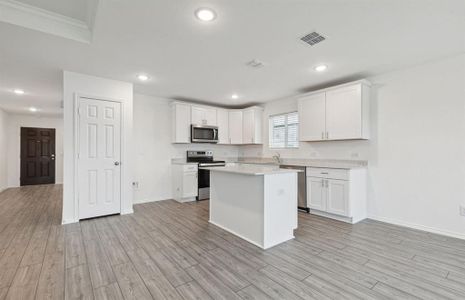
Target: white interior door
(99,154)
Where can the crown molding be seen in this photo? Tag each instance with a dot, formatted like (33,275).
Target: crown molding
(28,16)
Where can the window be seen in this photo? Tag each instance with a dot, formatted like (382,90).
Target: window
(284,130)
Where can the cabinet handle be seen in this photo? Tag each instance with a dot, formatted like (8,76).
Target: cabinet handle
(322,135)
(323,183)
(327,135)
(326,183)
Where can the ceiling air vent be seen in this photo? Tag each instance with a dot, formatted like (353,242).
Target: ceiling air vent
(313,38)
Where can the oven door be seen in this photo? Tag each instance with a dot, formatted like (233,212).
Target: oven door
(204,134)
(204,184)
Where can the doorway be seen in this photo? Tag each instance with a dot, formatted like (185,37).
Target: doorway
(37,156)
(98,157)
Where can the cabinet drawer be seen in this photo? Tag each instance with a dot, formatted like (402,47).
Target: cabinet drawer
(341,174)
(189,168)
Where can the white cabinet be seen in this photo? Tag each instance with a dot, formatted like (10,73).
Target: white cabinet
(252,125)
(344,113)
(185,182)
(337,193)
(181,119)
(235,126)
(312,120)
(222,117)
(337,198)
(316,193)
(202,115)
(336,113)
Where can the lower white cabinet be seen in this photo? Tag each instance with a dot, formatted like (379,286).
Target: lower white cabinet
(185,182)
(337,193)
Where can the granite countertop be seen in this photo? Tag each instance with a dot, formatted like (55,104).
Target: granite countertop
(182,161)
(316,163)
(251,170)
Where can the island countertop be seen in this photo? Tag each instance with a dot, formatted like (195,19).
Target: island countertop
(254,170)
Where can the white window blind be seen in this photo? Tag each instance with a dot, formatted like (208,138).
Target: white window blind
(284,130)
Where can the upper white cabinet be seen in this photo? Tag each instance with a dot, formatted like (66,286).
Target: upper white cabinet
(201,115)
(181,118)
(312,110)
(337,113)
(235,127)
(252,125)
(222,117)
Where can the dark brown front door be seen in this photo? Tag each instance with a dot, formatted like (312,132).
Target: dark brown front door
(37,155)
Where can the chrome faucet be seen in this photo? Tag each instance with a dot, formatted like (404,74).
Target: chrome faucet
(277,157)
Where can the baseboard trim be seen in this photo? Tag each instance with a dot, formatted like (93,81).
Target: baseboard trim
(418,227)
(141,201)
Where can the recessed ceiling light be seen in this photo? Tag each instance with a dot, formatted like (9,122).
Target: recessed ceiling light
(18,92)
(143,77)
(321,68)
(32,109)
(234,96)
(205,14)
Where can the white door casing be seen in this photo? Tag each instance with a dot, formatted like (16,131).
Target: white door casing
(99,158)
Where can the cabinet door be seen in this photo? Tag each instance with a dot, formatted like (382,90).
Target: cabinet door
(223,126)
(181,123)
(248,126)
(235,126)
(189,185)
(312,123)
(316,193)
(199,115)
(338,197)
(344,113)
(210,116)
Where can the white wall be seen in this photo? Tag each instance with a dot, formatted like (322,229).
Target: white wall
(15,122)
(3,150)
(152,135)
(99,88)
(417,151)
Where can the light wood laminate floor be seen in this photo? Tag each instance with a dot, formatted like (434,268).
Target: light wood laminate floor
(167,250)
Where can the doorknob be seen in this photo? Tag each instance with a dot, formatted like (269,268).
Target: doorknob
(116,163)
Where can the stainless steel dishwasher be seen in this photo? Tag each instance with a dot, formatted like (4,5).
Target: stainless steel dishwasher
(301,186)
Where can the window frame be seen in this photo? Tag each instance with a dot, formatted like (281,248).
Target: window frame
(286,133)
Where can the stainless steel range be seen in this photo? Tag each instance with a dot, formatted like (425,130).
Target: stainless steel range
(205,159)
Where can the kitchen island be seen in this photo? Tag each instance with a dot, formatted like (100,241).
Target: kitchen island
(256,203)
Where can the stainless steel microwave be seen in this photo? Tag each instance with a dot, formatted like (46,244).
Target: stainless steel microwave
(204,134)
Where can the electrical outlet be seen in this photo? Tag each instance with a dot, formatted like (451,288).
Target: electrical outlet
(462,210)
(135,185)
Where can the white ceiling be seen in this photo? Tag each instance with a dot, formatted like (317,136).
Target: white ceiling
(187,59)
